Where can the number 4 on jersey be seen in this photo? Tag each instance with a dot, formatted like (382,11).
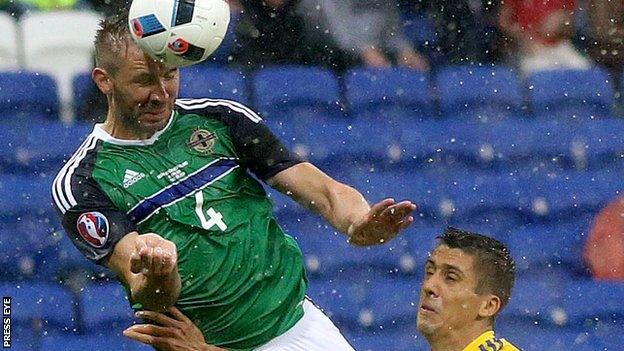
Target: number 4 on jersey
(216,218)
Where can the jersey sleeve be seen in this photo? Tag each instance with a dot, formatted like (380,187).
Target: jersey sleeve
(259,149)
(89,217)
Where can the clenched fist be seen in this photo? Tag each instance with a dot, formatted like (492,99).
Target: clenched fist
(153,256)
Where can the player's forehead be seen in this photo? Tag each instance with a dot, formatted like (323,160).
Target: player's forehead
(444,256)
(134,59)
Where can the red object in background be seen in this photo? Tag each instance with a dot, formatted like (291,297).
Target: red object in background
(532,14)
(604,249)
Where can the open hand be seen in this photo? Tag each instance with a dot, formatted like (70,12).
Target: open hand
(383,222)
(169,334)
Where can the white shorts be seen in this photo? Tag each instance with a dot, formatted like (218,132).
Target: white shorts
(313,332)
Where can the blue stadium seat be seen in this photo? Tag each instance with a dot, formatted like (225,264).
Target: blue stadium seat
(388,94)
(40,147)
(282,88)
(343,300)
(570,193)
(571,94)
(50,145)
(82,88)
(550,249)
(28,97)
(601,302)
(301,105)
(381,340)
(63,261)
(536,337)
(105,306)
(474,194)
(33,303)
(382,103)
(201,81)
(392,303)
(103,341)
(426,189)
(328,254)
(81,84)
(24,339)
(368,301)
(25,251)
(524,304)
(478,93)
(29,195)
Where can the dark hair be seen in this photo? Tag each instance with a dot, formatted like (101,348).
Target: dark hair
(112,37)
(495,268)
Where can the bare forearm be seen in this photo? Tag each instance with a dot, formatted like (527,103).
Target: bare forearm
(344,205)
(156,293)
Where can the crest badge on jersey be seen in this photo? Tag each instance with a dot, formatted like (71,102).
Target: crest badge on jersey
(93,227)
(202,141)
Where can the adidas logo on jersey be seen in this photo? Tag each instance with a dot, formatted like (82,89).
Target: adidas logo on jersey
(132,177)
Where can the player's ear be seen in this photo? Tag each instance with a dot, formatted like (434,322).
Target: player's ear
(102,79)
(490,305)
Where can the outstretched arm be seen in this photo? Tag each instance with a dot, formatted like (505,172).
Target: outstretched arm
(148,265)
(343,206)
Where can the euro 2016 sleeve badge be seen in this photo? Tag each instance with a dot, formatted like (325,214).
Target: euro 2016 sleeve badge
(93,228)
(202,141)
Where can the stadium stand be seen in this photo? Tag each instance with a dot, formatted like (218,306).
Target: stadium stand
(65,39)
(27,97)
(485,94)
(467,151)
(583,94)
(217,83)
(9,49)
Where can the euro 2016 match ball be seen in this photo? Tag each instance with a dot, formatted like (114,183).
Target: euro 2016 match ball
(179,32)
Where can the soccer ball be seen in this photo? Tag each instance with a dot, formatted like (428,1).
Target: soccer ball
(178,32)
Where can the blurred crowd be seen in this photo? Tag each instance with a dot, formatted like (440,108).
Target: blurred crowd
(531,35)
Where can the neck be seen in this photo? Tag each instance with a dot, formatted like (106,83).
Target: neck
(119,130)
(456,339)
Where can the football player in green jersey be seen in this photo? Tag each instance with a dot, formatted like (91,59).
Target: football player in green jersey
(161,193)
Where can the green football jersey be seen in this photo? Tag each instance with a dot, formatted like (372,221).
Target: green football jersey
(243,279)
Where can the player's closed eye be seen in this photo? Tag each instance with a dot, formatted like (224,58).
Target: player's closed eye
(171,74)
(452,277)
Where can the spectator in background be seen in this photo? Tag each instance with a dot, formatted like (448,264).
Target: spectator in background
(273,32)
(606,26)
(337,34)
(541,31)
(604,250)
(370,31)
(465,29)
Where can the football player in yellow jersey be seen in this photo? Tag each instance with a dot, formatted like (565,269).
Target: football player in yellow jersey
(468,281)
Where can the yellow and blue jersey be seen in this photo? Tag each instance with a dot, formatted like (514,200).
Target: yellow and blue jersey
(489,342)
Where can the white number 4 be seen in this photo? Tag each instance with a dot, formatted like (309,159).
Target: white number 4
(216,218)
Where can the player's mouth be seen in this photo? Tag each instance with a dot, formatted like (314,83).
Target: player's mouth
(426,308)
(156,112)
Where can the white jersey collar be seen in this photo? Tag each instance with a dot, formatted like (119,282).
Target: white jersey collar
(100,133)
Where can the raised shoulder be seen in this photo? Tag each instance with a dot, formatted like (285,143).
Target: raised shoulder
(224,108)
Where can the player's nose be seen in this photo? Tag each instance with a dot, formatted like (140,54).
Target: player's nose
(159,91)
(431,287)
